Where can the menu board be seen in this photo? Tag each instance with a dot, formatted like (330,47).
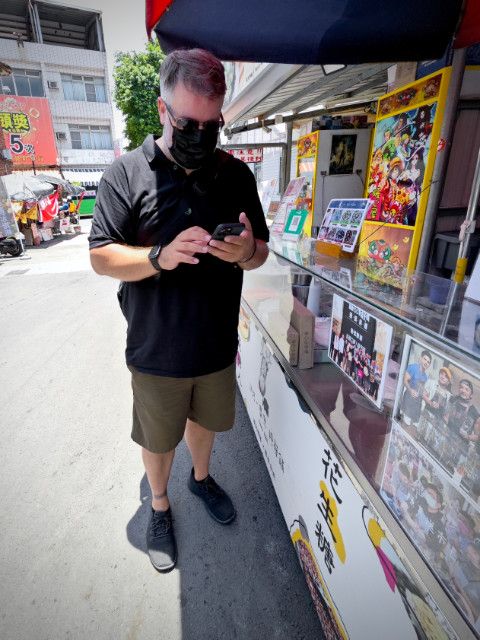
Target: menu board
(360,347)
(343,222)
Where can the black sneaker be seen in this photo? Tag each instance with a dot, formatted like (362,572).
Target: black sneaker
(161,544)
(216,501)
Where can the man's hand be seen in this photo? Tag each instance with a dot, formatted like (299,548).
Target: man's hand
(235,248)
(184,248)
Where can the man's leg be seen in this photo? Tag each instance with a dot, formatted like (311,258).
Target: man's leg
(200,443)
(213,405)
(158,467)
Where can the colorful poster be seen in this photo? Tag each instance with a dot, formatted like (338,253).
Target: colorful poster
(401,164)
(397,170)
(307,151)
(288,202)
(439,519)
(384,253)
(342,155)
(28,130)
(343,222)
(360,347)
(307,145)
(341,545)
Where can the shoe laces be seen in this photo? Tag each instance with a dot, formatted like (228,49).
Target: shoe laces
(212,491)
(161,524)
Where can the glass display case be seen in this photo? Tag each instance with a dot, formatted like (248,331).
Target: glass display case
(390,381)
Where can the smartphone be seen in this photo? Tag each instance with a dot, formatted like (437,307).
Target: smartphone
(227,229)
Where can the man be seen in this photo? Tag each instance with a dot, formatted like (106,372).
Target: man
(463,421)
(426,519)
(156,209)
(414,382)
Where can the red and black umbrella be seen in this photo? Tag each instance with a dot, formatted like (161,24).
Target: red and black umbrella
(315,31)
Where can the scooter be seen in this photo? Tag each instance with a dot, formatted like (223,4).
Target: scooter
(11,246)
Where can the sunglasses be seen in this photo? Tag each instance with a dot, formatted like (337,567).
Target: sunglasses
(189,125)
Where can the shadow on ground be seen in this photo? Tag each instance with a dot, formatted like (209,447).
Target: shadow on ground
(238,581)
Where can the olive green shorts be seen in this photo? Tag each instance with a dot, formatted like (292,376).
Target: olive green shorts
(161,406)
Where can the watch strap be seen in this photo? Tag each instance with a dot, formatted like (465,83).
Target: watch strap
(153,256)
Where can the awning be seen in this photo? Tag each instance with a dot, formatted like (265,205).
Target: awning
(31,172)
(303,87)
(86,177)
(20,184)
(309,31)
(52,179)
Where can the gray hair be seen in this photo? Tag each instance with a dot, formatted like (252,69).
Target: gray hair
(199,70)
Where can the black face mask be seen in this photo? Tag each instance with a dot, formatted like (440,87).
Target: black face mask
(192,148)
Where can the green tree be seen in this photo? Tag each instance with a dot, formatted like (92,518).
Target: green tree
(136,91)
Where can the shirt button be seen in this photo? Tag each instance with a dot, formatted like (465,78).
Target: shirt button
(188,212)
(175,167)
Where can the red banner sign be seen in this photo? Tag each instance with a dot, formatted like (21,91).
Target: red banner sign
(247,155)
(27,127)
(49,206)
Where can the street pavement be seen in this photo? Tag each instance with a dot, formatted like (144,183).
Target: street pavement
(75,499)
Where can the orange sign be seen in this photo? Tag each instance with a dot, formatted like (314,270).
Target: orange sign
(28,130)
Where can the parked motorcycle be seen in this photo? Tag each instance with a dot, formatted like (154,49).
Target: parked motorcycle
(11,246)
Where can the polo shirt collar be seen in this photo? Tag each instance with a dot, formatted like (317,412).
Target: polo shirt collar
(152,151)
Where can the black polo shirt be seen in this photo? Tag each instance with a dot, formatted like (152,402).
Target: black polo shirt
(183,322)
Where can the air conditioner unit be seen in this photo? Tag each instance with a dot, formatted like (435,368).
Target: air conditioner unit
(60,135)
(52,84)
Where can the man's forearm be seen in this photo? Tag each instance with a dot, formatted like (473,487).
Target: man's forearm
(259,257)
(129,264)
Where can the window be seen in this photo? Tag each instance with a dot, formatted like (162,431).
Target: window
(22,82)
(83,88)
(90,137)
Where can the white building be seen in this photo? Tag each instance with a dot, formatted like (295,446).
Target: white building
(58,52)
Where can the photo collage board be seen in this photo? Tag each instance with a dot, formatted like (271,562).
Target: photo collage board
(431,480)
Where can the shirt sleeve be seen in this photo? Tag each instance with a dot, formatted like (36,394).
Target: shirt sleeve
(252,206)
(112,217)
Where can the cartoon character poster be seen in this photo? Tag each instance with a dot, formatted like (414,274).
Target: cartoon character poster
(401,166)
(384,252)
(397,170)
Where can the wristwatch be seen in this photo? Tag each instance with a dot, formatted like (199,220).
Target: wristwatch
(154,255)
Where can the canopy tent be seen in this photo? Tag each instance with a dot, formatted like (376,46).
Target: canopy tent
(17,184)
(315,31)
(68,188)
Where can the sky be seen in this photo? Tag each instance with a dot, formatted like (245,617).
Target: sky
(124,30)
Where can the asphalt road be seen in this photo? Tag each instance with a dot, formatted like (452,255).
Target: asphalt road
(75,499)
